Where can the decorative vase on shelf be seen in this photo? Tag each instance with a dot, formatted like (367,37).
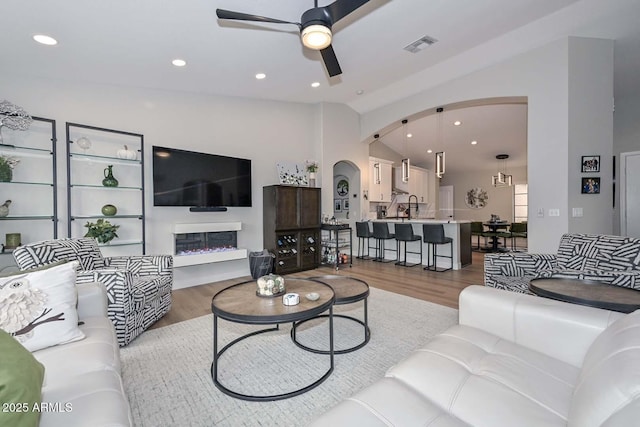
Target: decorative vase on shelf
(312,179)
(109,180)
(109,210)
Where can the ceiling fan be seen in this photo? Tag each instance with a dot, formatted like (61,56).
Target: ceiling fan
(315,27)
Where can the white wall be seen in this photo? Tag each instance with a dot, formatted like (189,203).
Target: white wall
(626,138)
(340,140)
(500,199)
(590,132)
(542,75)
(263,131)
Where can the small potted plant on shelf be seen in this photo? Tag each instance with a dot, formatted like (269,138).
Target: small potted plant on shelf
(101,230)
(312,168)
(6,168)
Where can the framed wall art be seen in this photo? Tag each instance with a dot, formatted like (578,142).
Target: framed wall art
(590,164)
(337,205)
(591,185)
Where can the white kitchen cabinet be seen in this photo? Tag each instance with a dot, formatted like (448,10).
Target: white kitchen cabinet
(418,183)
(380,176)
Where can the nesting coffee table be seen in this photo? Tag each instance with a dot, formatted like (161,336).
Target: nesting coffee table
(240,304)
(348,290)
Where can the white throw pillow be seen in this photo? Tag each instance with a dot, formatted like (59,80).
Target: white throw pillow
(38,308)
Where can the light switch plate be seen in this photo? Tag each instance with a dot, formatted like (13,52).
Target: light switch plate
(540,212)
(577,212)
(554,212)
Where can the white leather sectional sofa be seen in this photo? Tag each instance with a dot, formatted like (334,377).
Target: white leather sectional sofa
(82,384)
(513,360)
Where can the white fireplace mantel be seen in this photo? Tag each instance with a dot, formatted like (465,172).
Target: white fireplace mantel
(207,227)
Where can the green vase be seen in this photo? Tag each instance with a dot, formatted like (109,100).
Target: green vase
(109,180)
(109,210)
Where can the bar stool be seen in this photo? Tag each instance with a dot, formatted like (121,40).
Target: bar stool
(404,234)
(381,234)
(363,232)
(433,235)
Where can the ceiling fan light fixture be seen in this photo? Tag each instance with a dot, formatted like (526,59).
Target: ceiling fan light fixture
(316,37)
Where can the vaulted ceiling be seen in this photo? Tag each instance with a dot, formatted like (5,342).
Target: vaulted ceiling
(132,43)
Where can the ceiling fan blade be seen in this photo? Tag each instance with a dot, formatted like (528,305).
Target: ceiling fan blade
(331,61)
(228,14)
(341,8)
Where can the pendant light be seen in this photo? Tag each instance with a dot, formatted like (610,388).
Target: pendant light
(440,164)
(406,163)
(440,154)
(502,179)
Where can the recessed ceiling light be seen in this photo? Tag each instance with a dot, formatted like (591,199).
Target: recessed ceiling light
(179,62)
(429,151)
(409,135)
(315,84)
(474,142)
(261,76)
(359,92)
(457,123)
(41,38)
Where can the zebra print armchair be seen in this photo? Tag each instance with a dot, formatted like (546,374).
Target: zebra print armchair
(614,260)
(138,287)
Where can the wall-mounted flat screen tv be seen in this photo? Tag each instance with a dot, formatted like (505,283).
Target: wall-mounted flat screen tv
(187,178)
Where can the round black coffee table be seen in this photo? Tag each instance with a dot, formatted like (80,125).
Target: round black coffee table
(587,292)
(240,304)
(348,290)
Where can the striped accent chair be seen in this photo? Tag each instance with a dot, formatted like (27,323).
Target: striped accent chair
(138,287)
(614,260)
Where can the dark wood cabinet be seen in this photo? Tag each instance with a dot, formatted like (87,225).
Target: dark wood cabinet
(291,228)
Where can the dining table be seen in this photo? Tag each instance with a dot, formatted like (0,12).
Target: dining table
(494,227)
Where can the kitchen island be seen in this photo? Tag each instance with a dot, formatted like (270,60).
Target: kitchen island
(459,231)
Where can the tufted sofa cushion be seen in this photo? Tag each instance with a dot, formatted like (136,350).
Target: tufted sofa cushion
(513,360)
(609,376)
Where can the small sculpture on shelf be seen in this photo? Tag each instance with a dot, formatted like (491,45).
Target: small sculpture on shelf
(101,230)
(13,117)
(84,143)
(109,180)
(4,208)
(126,154)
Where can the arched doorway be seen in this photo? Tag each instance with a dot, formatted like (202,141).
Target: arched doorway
(347,204)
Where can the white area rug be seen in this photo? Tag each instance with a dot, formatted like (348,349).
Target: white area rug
(166,371)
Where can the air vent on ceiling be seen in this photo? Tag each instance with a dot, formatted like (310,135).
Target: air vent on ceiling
(420,44)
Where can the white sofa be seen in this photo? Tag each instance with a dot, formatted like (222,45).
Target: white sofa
(82,384)
(513,360)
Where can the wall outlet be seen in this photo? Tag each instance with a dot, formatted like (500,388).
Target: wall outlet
(540,212)
(577,212)
(554,212)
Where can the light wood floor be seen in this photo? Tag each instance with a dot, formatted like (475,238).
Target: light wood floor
(440,288)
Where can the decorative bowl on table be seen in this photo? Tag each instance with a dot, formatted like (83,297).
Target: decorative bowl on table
(270,285)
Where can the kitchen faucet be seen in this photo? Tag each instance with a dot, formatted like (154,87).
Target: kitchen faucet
(409,208)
